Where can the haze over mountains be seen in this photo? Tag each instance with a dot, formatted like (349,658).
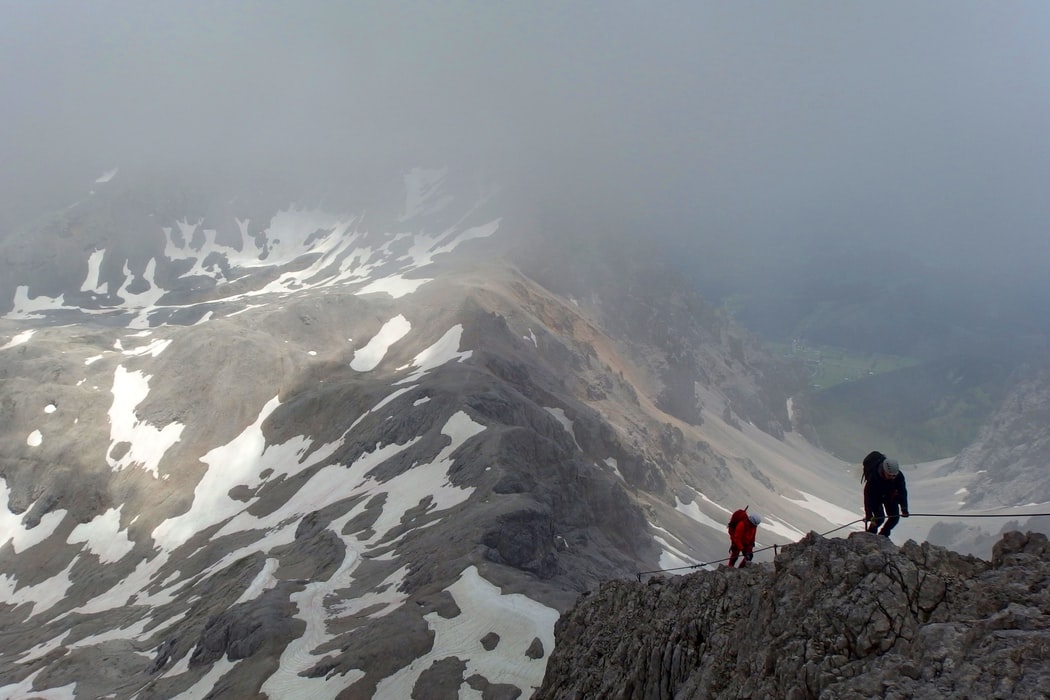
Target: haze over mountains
(824,188)
(343,347)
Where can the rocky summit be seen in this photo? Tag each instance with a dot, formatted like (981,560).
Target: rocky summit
(834,618)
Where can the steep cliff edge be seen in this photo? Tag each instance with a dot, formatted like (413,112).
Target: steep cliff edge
(831,618)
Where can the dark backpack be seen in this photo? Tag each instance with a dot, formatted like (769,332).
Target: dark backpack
(871,465)
(736,518)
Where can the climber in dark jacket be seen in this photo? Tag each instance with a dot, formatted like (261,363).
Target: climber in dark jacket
(885,493)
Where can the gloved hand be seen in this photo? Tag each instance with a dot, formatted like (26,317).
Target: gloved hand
(750,556)
(905,514)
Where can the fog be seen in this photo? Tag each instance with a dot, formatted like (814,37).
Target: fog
(893,126)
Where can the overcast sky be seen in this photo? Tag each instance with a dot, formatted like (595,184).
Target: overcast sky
(877,122)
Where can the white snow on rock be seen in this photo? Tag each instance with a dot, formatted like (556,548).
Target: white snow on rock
(671,557)
(368,357)
(566,423)
(382,600)
(106,176)
(103,537)
(204,686)
(35,439)
(41,596)
(692,510)
(314,606)
(19,338)
(238,462)
(93,282)
(263,581)
(25,308)
(337,257)
(147,443)
(396,286)
(781,528)
(446,349)
(12,530)
(41,650)
(836,515)
(517,619)
(25,689)
(152,349)
(406,490)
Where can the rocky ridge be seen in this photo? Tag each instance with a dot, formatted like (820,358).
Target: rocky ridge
(831,618)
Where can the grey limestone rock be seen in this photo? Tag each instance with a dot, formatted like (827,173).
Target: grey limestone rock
(831,618)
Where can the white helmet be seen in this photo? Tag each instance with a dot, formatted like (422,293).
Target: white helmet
(755,519)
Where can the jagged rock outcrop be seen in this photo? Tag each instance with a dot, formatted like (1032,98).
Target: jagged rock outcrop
(831,618)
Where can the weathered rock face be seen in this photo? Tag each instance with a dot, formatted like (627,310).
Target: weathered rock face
(831,618)
(1011,451)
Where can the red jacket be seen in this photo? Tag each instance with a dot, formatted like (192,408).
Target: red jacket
(742,535)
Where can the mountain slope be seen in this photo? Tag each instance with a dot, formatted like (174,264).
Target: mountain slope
(298,452)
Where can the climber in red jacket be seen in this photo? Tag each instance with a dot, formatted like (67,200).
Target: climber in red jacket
(742,529)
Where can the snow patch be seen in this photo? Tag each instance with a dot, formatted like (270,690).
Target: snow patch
(368,357)
(778,527)
(484,609)
(24,308)
(263,581)
(42,596)
(147,443)
(25,689)
(671,557)
(106,176)
(836,515)
(93,281)
(396,286)
(102,536)
(20,338)
(559,414)
(693,512)
(12,530)
(446,349)
(206,684)
(152,349)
